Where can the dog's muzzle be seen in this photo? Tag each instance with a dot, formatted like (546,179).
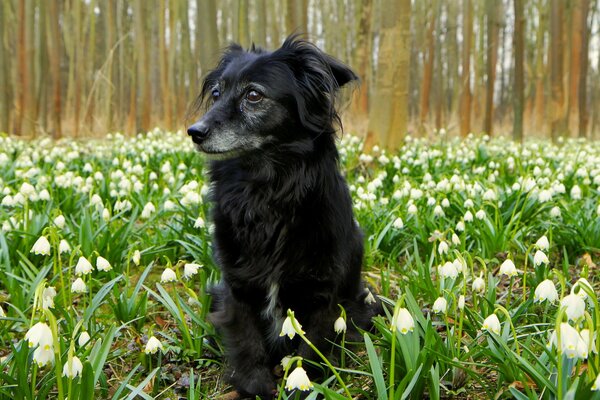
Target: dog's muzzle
(199,131)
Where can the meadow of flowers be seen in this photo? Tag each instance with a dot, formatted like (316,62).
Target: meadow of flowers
(484,252)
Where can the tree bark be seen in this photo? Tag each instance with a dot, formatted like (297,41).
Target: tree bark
(519,86)
(53,42)
(583,64)
(492,57)
(428,67)
(465,101)
(558,126)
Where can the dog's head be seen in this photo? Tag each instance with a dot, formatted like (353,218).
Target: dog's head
(257,97)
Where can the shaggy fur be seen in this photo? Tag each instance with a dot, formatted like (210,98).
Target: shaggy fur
(285,236)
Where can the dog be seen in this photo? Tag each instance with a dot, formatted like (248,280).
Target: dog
(285,236)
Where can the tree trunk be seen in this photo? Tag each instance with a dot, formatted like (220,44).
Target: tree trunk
(53,42)
(428,67)
(209,39)
(519,86)
(260,33)
(465,101)
(583,64)
(558,106)
(362,59)
(5,101)
(539,104)
(143,82)
(492,56)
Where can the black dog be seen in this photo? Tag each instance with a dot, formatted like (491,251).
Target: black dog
(285,236)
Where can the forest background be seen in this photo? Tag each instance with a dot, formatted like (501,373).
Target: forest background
(78,68)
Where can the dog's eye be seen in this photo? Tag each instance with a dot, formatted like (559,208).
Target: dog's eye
(253,96)
(215,94)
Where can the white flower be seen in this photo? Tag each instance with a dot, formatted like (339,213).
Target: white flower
(460,226)
(288,328)
(461,302)
(285,362)
(40,334)
(370,299)
(578,288)
(539,258)
(508,268)
(136,257)
(468,216)
(148,210)
(84,338)
(543,243)
(545,291)
(412,209)
(443,247)
(43,356)
(190,270)
(445,203)
(199,223)
(455,239)
(398,223)
(41,246)
(339,325)
(480,214)
(168,275)
(78,286)
(478,285)
(571,342)
(153,345)
(105,215)
(48,297)
(491,324)
(298,379)
(489,195)
(59,221)
(64,247)
(72,368)
(448,270)
(83,267)
(102,264)
(169,205)
(555,212)
(403,321)
(574,306)
(440,305)
(585,335)
(576,192)
(27,190)
(438,211)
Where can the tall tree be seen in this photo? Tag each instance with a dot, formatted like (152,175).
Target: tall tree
(519,86)
(53,42)
(558,123)
(143,83)
(362,58)
(428,66)
(296,16)
(465,100)
(492,15)
(207,36)
(539,103)
(5,100)
(583,64)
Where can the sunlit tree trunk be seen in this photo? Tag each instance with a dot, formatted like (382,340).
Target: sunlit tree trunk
(465,101)
(362,59)
(558,107)
(260,31)
(4,67)
(519,86)
(209,38)
(143,81)
(428,66)
(582,93)
(539,104)
(54,49)
(492,57)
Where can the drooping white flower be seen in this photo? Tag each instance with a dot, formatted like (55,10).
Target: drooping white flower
(72,368)
(41,246)
(199,224)
(43,356)
(508,268)
(190,269)
(298,379)
(480,214)
(491,324)
(59,221)
(64,247)
(571,342)
(540,257)
(543,243)
(168,275)
(438,211)
(440,305)
(478,285)
(455,239)
(136,257)
(555,212)
(412,209)
(148,210)
(102,264)
(40,334)
(105,215)
(443,247)
(84,338)
(461,302)
(78,286)
(83,267)
(403,321)
(596,385)
(545,291)
(448,270)
(590,342)
(285,362)
(48,295)
(578,288)
(339,326)
(576,192)
(398,223)
(460,226)
(468,216)
(574,306)
(153,345)
(288,327)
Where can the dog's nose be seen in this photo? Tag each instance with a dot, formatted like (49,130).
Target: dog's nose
(199,130)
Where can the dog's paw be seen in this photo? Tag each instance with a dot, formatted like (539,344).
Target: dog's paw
(257,382)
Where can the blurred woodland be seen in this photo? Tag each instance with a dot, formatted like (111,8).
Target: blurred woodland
(85,67)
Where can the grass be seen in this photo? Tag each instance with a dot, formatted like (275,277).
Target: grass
(437,216)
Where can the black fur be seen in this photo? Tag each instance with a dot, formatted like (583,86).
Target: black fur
(284,226)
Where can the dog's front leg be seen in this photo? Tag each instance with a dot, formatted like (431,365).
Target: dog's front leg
(248,361)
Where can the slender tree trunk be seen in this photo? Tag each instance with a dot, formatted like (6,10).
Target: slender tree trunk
(465,102)
(53,42)
(558,107)
(243,28)
(260,35)
(362,59)
(428,67)
(163,56)
(519,86)
(492,56)
(539,103)
(209,39)
(296,16)
(583,64)
(139,19)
